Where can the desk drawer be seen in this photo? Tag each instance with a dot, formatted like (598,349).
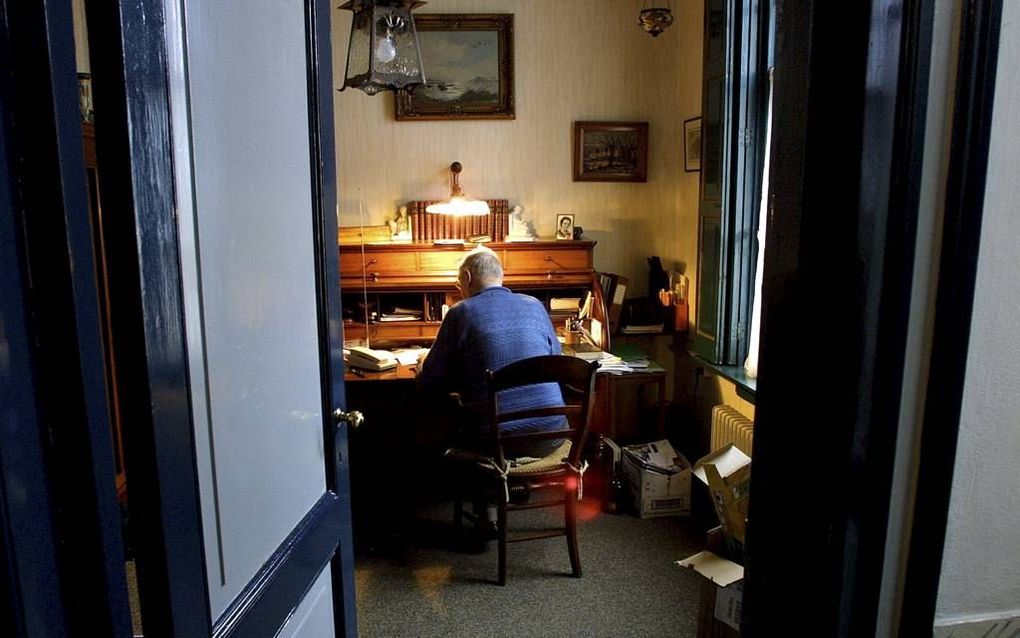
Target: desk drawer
(446,261)
(547,260)
(377,264)
(391,331)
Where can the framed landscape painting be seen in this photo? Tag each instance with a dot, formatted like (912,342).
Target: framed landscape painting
(469,68)
(610,151)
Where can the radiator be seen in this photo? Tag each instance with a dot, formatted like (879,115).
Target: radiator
(730,426)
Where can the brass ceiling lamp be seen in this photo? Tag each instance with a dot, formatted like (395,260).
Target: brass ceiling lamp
(655,20)
(383,53)
(458,204)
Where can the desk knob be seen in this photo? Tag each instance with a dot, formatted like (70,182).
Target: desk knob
(353,418)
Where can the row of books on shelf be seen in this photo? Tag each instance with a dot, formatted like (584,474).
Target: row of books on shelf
(435,227)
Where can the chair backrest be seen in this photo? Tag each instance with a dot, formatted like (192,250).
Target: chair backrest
(576,379)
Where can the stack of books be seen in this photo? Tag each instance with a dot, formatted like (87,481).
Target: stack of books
(586,351)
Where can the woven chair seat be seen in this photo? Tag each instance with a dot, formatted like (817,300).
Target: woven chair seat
(553,461)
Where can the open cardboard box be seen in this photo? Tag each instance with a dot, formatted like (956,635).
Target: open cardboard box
(658,478)
(727,473)
(722,589)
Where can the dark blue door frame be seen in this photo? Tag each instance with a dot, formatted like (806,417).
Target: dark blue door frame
(849,130)
(327,273)
(61,551)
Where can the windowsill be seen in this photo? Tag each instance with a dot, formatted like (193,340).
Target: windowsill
(746,386)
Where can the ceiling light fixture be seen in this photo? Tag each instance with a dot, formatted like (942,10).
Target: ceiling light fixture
(655,20)
(383,53)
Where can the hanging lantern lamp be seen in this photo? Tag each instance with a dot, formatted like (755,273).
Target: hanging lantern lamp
(383,54)
(655,20)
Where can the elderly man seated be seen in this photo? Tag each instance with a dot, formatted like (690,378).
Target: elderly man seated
(491,328)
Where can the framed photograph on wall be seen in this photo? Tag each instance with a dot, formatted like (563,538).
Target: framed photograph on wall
(469,68)
(88,113)
(610,151)
(564,226)
(692,145)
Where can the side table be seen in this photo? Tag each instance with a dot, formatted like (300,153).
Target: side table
(607,385)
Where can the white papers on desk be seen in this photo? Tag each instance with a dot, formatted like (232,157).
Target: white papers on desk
(614,365)
(409,356)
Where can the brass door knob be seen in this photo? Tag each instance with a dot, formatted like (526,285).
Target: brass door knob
(353,419)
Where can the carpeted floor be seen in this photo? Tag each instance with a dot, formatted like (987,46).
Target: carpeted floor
(430,584)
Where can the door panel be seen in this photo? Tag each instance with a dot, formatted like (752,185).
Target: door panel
(315,615)
(248,249)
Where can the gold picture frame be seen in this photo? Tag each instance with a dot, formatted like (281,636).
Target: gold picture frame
(469,68)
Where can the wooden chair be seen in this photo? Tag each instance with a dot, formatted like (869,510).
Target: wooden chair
(562,470)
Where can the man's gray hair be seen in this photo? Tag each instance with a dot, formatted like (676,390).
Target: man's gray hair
(484,266)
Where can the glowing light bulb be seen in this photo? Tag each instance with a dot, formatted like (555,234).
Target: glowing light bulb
(386,51)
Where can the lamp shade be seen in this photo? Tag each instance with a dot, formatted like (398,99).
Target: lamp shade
(383,53)
(655,20)
(458,204)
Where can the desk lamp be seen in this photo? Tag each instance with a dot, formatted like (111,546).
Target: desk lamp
(458,204)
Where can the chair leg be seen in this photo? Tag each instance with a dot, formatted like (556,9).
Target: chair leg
(501,524)
(458,514)
(570,518)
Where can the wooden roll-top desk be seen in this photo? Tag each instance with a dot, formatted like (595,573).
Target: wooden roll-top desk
(377,279)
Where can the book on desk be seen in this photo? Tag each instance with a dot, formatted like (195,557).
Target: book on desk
(586,351)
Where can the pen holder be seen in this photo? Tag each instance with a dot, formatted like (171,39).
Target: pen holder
(680,316)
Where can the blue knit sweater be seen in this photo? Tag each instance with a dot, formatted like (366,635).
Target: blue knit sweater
(488,331)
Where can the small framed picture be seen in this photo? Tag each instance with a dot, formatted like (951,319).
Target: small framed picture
(85,98)
(610,151)
(564,226)
(692,145)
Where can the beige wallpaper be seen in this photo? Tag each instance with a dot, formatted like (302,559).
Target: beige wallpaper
(679,247)
(575,60)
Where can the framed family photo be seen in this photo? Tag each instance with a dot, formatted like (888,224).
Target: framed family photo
(564,226)
(692,145)
(469,68)
(610,151)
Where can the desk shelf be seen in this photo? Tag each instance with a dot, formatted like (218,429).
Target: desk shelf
(423,277)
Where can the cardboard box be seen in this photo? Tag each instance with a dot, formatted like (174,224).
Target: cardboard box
(722,591)
(727,473)
(658,479)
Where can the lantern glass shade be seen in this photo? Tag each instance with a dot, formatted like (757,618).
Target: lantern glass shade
(383,54)
(655,20)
